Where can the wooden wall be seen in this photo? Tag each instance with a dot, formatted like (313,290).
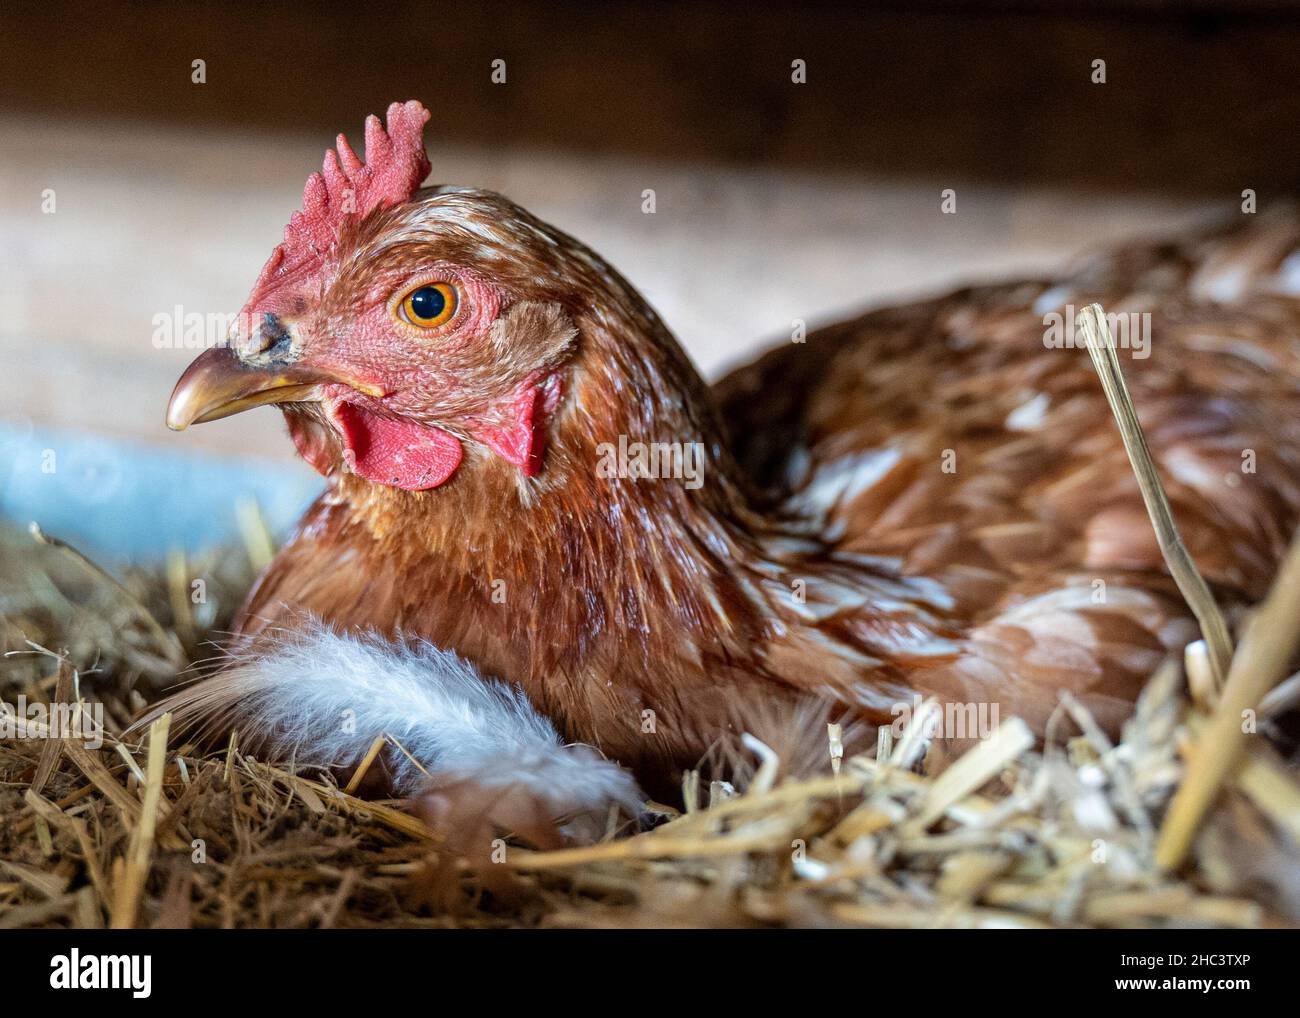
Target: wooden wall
(775,200)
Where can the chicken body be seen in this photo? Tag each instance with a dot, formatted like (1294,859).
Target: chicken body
(929,500)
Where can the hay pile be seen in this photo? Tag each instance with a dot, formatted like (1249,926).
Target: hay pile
(150,833)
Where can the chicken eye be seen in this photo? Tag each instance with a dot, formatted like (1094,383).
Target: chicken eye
(429,305)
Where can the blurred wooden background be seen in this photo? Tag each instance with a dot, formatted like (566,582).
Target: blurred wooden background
(775,201)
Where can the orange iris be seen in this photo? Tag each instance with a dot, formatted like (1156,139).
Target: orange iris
(429,305)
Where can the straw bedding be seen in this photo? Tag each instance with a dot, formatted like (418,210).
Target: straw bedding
(153,832)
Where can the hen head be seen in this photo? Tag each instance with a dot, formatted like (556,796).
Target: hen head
(397,327)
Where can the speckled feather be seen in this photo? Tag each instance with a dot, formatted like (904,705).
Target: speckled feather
(825,465)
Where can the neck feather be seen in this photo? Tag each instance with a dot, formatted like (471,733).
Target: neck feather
(591,548)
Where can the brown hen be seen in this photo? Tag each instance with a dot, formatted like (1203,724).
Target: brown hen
(926,500)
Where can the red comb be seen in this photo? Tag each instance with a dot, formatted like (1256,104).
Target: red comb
(394,168)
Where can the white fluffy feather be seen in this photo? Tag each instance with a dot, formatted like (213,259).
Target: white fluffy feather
(324,697)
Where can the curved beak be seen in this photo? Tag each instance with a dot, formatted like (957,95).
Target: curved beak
(219,384)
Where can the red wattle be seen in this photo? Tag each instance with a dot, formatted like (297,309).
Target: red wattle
(402,454)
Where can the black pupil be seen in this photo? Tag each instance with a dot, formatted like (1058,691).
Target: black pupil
(427,302)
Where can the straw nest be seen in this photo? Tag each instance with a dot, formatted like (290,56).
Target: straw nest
(149,832)
(1193,818)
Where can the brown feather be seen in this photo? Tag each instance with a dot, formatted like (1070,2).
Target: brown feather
(826,472)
